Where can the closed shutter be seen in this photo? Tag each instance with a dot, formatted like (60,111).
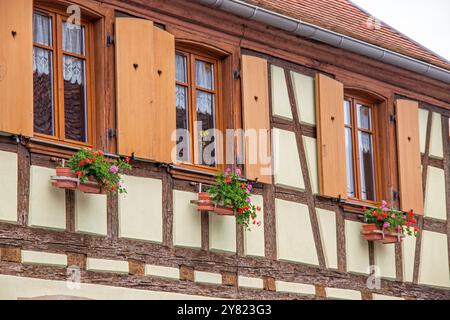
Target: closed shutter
(331,137)
(16,67)
(409,161)
(255,99)
(145,62)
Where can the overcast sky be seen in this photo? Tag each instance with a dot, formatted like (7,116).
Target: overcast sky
(425,21)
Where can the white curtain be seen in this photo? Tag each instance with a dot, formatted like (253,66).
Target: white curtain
(73,70)
(205,102)
(204,74)
(41,35)
(73,41)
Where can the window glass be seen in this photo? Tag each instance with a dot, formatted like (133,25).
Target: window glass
(44,118)
(206,118)
(364,117)
(347,113)
(180,68)
(349,157)
(366,166)
(42,29)
(75,99)
(204,74)
(73,38)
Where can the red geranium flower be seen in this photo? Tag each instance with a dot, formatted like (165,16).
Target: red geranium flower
(228,179)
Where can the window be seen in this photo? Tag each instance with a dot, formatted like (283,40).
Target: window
(197,106)
(61,68)
(360,146)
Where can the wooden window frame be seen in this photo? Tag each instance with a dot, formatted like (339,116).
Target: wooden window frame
(192,54)
(58,17)
(374,106)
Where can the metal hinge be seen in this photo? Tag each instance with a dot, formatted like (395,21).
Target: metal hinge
(111,133)
(393,117)
(236,75)
(110,40)
(395,195)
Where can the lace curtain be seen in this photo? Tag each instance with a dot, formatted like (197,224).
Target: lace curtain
(73,41)
(41,35)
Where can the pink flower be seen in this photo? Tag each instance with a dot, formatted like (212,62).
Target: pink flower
(399,227)
(238,171)
(250,187)
(385,209)
(383,203)
(114,169)
(248,200)
(227,170)
(393,216)
(386,225)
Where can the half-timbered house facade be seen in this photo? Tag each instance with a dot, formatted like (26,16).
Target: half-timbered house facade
(351,113)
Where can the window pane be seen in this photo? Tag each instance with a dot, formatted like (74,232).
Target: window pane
(43,91)
(180,63)
(366,166)
(183,141)
(347,113)
(75,99)
(207,121)
(42,29)
(204,74)
(73,38)
(349,157)
(364,117)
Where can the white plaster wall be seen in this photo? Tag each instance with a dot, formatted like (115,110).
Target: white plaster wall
(299,288)
(385,259)
(376,296)
(250,282)
(281,106)
(44,258)
(20,287)
(254,239)
(327,228)
(436,142)
(304,89)
(408,254)
(311,160)
(423,122)
(162,272)
(90,213)
(434,264)
(106,265)
(222,233)
(435,203)
(47,203)
(208,277)
(140,210)
(343,294)
(287,169)
(187,231)
(357,249)
(295,240)
(8,187)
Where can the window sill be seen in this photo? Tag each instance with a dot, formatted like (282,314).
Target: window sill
(356,206)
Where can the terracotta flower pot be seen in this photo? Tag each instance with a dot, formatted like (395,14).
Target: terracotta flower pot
(91,186)
(65,178)
(224,210)
(372,232)
(204,203)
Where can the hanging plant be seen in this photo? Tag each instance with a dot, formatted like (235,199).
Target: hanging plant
(230,195)
(388,225)
(93,173)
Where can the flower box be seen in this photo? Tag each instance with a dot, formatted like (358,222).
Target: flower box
(90,186)
(204,203)
(372,232)
(65,179)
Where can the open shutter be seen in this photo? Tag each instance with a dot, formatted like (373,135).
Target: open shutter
(145,58)
(165,119)
(16,67)
(255,99)
(409,162)
(331,137)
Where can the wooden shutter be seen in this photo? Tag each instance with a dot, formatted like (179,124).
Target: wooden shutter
(165,119)
(16,67)
(331,137)
(255,93)
(409,161)
(145,73)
